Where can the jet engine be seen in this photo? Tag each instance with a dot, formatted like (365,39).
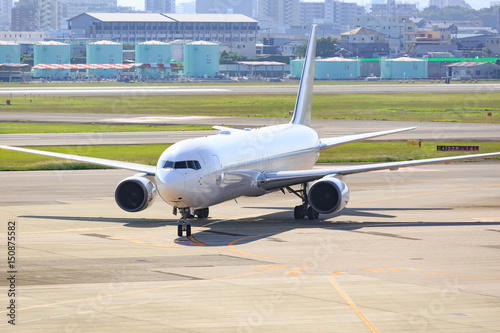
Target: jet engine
(328,195)
(135,193)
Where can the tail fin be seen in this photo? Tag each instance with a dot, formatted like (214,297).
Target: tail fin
(302,112)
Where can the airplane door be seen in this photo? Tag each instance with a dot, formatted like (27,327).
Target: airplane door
(217,169)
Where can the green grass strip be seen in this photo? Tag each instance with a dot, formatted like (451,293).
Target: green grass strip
(25,128)
(444,107)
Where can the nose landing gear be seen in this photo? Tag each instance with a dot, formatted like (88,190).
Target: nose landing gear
(183,225)
(186,214)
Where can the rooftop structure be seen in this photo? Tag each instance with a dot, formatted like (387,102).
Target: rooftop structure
(234,32)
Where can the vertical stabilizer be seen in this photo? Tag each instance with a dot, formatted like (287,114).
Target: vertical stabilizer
(302,112)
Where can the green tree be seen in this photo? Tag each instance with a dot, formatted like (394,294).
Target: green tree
(27,59)
(226,58)
(325,47)
(487,15)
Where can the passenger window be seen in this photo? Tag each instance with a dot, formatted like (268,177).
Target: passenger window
(168,165)
(180,165)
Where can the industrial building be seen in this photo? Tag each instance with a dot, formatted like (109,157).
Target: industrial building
(233,32)
(403,68)
(469,70)
(52,53)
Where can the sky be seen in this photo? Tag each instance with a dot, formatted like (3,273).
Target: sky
(474,3)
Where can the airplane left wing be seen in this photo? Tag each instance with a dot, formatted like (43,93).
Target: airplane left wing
(149,169)
(275,180)
(224,128)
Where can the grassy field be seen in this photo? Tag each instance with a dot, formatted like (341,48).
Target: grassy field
(454,107)
(149,154)
(24,128)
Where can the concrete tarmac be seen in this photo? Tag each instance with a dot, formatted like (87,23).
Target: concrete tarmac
(414,251)
(248,89)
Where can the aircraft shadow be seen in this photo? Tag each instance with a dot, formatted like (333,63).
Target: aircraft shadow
(127,222)
(270,226)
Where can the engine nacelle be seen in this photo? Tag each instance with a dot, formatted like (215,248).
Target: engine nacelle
(135,193)
(328,195)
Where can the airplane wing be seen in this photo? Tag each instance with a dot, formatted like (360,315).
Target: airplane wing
(333,142)
(224,128)
(280,179)
(149,169)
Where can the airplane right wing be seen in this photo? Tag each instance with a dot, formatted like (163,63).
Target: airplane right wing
(333,142)
(276,180)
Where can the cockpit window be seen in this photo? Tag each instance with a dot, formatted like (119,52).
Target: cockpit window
(195,165)
(180,165)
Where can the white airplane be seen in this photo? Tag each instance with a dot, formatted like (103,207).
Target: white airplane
(194,174)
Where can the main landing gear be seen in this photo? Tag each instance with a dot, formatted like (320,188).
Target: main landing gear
(305,209)
(186,214)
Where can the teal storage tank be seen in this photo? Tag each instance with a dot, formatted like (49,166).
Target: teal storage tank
(10,53)
(337,69)
(404,68)
(201,59)
(329,68)
(51,53)
(154,52)
(296,67)
(106,53)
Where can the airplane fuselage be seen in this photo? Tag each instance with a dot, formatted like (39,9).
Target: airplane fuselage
(202,172)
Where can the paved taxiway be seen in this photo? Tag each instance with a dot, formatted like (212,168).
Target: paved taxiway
(245,89)
(415,251)
(435,131)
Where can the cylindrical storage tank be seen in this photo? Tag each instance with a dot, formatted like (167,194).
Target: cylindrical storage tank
(154,52)
(50,53)
(337,69)
(201,59)
(296,67)
(329,68)
(403,68)
(10,53)
(177,50)
(104,52)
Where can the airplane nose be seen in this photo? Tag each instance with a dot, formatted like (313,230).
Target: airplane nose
(171,185)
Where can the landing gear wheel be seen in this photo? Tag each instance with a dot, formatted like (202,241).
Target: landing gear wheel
(312,214)
(188,230)
(202,213)
(298,213)
(179,230)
